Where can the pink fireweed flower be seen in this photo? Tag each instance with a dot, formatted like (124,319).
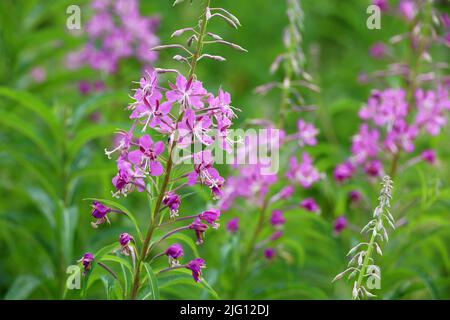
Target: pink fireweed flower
(86,261)
(428,156)
(276,235)
(364,144)
(283,194)
(188,93)
(340,224)
(148,107)
(385,107)
(286,192)
(194,127)
(123,144)
(146,157)
(431,106)
(174,252)
(196,267)
(38,74)
(199,228)
(377,50)
(232,226)
(269,253)
(84,87)
(99,211)
(172,201)
(100,5)
(354,196)
(127,178)
(100,24)
(124,240)
(204,171)
(407,9)
(445,19)
(118,43)
(221,106)
(304,172)
(277,219)
(343,171)
(116,31)
(382,4)
(401,137)
(148,88)
(210,216)
(306,133)
(309,204)
(373,168)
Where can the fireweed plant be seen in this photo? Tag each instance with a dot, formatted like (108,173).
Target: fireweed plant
(362,265)
(115,31)
(258,183)
(176,116)
(394,118)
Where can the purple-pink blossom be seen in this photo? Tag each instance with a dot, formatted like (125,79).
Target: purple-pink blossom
(354,196)
(196,267)
(340,224)
(146,158)
(188,93)
(172,201)
(304,172)
(407,9)
(277,219)
(307,133)
(175,251)
(269,253)
(232,226)
(86,260)
(99,211)
(378,50)
(309,204)
(210,216)
(428,156)
(343,171)
(199,227)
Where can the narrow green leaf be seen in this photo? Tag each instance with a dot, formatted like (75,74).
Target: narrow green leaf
(35,105)
(152,281)
(87,134)
(22,287)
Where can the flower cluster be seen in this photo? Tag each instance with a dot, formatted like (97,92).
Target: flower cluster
(116,31)
(180,117)
(393,119)
(186,114)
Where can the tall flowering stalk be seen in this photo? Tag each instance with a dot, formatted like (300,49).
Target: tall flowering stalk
(394,118)
(258,182)
(362,254)
(182,115)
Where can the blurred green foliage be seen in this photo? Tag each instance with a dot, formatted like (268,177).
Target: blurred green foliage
(51,156)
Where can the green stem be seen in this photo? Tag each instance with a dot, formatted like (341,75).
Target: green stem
(250,250)
(199,48)
(367,257)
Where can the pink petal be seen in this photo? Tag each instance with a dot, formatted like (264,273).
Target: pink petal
(135,157)
(156,168)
